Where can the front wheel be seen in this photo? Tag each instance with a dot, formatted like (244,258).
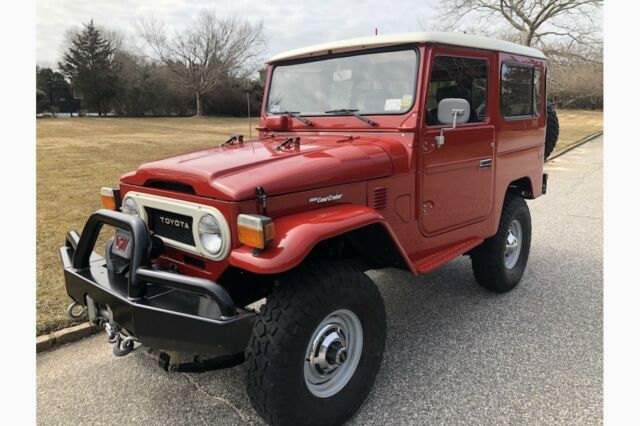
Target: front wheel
(499,262)
(316,346)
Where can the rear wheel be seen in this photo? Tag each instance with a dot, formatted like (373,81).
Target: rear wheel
(316,346)
(499,262)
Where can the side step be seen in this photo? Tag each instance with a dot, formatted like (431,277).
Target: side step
(442,256)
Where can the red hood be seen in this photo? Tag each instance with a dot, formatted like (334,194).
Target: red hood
(234,172)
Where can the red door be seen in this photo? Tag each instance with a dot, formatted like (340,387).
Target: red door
(457,177)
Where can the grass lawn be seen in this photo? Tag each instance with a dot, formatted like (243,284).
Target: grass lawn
(75,157)
(576,125)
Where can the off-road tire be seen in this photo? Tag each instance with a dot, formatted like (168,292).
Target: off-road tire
(275,356)
(488,259)
(553,131)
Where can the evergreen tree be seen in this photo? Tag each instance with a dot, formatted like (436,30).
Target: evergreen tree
(90,66)
(46,76)
(49,86)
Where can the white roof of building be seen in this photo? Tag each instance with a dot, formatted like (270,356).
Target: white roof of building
(455,39)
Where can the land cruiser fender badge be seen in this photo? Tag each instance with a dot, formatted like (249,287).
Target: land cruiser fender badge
(326,198)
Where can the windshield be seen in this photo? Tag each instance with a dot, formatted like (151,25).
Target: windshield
(370,83)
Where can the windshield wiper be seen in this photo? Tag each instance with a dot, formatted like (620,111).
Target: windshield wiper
(297,116)
(353,112)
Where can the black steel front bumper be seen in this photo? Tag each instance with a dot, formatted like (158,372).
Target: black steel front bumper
(163,310)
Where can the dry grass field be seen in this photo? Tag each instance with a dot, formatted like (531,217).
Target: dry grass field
(75,157)
(576,125)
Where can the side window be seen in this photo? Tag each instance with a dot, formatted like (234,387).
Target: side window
(456,77)
(520,90)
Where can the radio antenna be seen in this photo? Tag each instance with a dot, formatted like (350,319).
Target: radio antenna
(253,148)
(249,113)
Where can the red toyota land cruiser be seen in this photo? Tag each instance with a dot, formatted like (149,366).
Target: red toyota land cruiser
(401,151)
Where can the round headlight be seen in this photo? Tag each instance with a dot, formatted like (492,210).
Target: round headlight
(130,207)
(209,233)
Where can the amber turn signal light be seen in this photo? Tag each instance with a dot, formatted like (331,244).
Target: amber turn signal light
(255,231)
(108,198)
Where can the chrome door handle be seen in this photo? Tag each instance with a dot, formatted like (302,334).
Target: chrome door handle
(486,162)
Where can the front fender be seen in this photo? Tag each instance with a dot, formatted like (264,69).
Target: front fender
(297,234)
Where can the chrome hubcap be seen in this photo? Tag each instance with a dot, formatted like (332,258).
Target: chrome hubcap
(512,244)
(333,353)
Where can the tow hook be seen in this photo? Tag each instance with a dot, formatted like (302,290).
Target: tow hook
(122,345)
(73,312)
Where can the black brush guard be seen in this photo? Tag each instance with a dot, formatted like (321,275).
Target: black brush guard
(162,309)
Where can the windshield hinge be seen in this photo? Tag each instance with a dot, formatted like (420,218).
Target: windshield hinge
(287,141)
(232,139)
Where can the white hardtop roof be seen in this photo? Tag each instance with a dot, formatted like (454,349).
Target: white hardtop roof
(455,39)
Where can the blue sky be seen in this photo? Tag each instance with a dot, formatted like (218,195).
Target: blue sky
(288,24)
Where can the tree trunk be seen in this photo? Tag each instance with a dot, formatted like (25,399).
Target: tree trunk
(198,104)
(529,34)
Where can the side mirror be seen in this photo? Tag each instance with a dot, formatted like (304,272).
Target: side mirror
(451,111)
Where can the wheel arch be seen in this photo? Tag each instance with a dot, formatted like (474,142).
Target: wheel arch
(340,232)
(523,186)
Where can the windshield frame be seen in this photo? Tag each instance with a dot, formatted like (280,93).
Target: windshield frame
(401,47)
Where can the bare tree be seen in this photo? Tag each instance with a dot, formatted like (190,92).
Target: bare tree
(202,57)
(568,31)
(547,24)
(116,38)
(575,82)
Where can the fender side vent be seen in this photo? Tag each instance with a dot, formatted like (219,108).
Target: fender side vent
(379,198)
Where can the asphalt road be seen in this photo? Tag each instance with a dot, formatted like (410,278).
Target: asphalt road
(456,354)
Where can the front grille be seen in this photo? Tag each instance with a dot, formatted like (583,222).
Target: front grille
(173,226)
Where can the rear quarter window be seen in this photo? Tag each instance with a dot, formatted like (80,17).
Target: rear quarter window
(519,90)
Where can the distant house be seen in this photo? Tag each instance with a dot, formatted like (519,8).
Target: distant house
(57,97)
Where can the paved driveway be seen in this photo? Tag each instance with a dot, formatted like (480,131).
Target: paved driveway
(455,353)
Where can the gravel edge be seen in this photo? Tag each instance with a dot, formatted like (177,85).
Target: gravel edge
(58,338)
(575,145)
